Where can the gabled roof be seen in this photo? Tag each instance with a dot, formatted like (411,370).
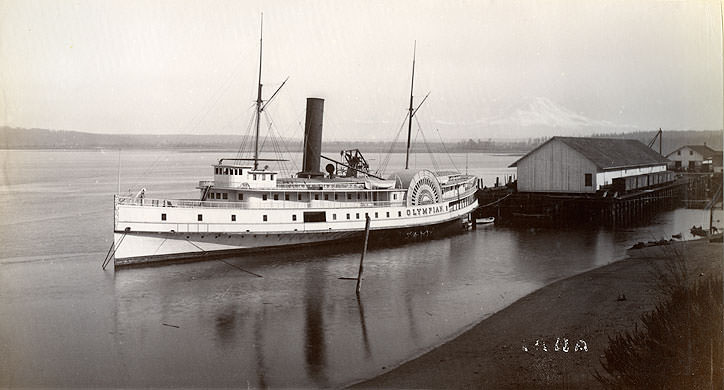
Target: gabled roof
(701,149)
(609,153)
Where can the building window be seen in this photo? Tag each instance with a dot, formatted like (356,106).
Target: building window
(263,197)
(233,217)
(286,196)
(263,217)
(294,217)
(225,195)
(200,217)
(163,216)
(691,153)
(276,196)
(241,196)
(678,152)
(589,180)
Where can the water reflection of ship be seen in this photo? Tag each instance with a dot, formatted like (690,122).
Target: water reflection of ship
(314,342)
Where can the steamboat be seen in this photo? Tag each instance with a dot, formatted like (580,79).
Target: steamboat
(247,207)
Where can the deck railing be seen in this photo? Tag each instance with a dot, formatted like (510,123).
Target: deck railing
(268,204)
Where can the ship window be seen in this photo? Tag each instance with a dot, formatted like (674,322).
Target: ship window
(263,197)
(294,217)
(357,216)
(163,216)
(315,216)
(299,196)
(225,195)
(241,196)
(276,196)
(316,196)
(255,176)
(326,196)
(263,176)
(358,195)
(334,217)
(347,216)
(226,171)
(388,214)
(286,196)
(399,213)
(589,180)
(200,217)
(263,218)
(376,214)
(271,177)
(349,196)
(216,171)
(394,196)
(233,217)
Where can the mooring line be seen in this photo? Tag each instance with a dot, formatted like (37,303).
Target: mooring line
(240,269)
(110,254)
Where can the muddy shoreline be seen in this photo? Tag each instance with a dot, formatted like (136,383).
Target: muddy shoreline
(524,345)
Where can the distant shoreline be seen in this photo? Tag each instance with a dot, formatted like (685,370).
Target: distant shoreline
(203,150)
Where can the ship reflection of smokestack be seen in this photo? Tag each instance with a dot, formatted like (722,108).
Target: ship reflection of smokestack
(314,346)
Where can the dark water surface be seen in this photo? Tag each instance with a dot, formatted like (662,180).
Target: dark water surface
(65,322)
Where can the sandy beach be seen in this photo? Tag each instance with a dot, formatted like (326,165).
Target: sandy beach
(556,336)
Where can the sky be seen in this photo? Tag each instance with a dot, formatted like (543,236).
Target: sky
(493,69)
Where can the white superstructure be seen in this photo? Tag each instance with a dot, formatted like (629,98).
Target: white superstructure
(239,213)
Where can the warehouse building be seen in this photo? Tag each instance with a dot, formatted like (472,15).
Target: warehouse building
(581,165)
(695,158)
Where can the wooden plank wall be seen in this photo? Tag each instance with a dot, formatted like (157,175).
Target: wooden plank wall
(555,167)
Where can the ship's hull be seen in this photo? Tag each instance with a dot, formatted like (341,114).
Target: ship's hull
(135,248)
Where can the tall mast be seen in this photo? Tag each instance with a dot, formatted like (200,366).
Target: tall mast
(258,98)
(409,123)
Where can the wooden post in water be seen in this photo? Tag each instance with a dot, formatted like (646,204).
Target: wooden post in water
(364,250)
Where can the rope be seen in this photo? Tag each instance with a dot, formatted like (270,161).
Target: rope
(386,158)
(110,253)
(494,202)
(427,146)
(445,148)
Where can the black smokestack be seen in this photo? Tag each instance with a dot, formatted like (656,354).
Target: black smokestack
(312,138)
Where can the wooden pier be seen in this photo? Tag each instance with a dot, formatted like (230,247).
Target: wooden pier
(604,208)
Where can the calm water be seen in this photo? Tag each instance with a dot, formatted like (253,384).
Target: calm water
(65,322)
